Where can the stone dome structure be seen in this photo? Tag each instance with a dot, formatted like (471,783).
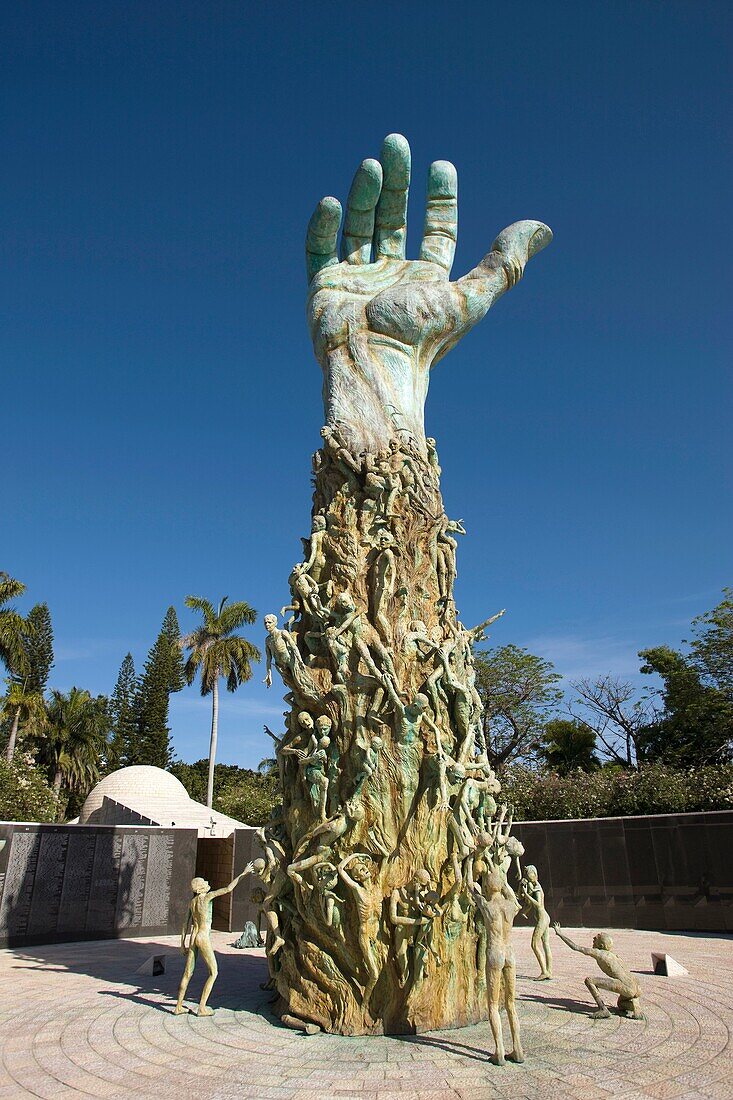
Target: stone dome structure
(144,795)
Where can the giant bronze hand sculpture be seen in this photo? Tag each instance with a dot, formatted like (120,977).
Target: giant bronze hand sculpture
(375,656)
(380,321)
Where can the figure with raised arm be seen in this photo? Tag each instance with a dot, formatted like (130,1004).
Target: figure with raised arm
(281,648)
(196,937)
(532,897)
(618,980)
(368,902)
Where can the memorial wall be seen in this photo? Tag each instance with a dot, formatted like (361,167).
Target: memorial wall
(669,872)
(82,882)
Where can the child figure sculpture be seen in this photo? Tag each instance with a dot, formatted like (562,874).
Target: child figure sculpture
(532,897)
(196,936)
(619,980)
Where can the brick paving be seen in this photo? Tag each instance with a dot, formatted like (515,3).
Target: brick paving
(76,1020)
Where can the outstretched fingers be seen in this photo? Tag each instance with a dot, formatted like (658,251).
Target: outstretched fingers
(503,266)
(356,242)
(320,240)
(441,215)
(390,232)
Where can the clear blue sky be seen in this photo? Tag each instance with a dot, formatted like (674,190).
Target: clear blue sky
(160,397)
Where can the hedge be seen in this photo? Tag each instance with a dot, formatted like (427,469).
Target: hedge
(616,792)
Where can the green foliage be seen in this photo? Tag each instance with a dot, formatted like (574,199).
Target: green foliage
(12,626)
(25,794)
(518,691)
(251,799)
(241,793)
(172,632)
(72,743)
(162,674)
(122,716)
(615,792)
(568,745)
(712,648)
(38,645)
(216,652)
(696,725)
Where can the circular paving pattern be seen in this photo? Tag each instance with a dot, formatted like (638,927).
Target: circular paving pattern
(77,1020)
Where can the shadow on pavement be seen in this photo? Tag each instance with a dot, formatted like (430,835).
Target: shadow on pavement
(116,962)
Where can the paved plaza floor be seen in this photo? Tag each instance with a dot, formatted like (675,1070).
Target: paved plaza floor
(76,1020)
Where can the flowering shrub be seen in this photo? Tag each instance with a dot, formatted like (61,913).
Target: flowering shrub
(616,792)
(24,793)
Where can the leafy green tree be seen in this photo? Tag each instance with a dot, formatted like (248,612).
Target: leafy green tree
(216,652)
(251,799)
(568,745)
(74,739)
(122,716)
(695,726)
(162,674)
(712,648)
(25,794)
(246,795)
(518,691)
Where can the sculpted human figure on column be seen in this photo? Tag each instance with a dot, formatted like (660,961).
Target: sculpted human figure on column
(281,648)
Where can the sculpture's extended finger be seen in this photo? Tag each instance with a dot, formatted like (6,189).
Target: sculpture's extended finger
(390,225)
(320,240)
(441,215)
(504,265)
(356,242)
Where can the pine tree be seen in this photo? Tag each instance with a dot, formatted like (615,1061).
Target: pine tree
(162,674)
(122,716)
(172,631)
(38,644)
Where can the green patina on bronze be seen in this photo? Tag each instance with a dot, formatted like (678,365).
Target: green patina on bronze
(389,821)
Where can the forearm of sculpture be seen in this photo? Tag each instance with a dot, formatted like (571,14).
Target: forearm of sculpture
(339,630)
(184,930)
(235,881)
(573,946)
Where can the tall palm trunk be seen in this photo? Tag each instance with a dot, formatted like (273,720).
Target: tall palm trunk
(57,790)
(13,736)
(212,745)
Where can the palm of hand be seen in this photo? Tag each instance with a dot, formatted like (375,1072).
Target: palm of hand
(378,327)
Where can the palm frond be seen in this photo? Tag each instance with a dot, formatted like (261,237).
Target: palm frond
(200,603)
(10,588)
(235,615)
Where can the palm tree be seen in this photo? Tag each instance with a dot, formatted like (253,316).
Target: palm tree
(12,625)
(218,652)
(73,739)
(21,705)
(12,649)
